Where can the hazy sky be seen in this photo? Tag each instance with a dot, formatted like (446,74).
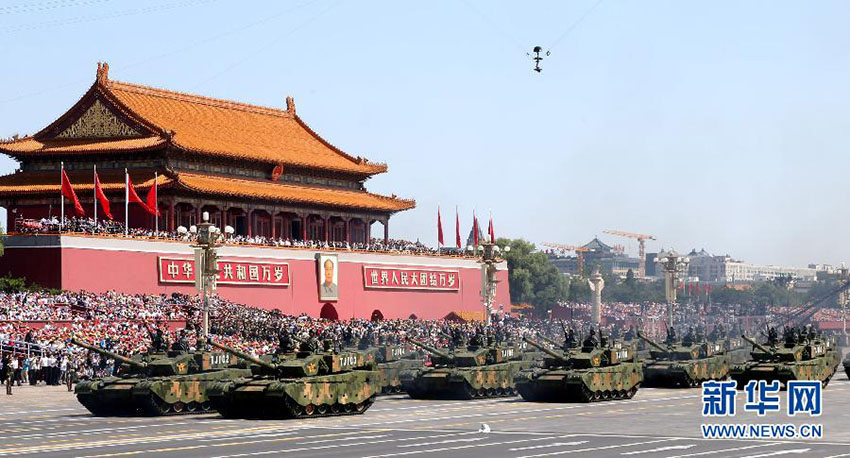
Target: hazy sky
(712,124)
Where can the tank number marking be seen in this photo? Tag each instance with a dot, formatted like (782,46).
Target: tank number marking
(397,352)
(350,360)
(622,354)
(507,353)
(220,359)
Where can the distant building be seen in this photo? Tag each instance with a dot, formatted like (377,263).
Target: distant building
(609,260)
(651,268)
(725,269)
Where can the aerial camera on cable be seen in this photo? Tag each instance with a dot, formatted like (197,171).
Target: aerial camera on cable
(537,57)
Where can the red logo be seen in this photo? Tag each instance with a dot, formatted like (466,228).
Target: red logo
(277,171)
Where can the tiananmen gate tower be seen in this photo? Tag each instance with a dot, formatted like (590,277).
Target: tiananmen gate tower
(262,171)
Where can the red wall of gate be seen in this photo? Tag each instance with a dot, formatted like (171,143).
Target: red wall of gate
(132,266)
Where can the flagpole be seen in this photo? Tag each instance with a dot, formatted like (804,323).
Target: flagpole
(126,202)
(61,195)
(156,202)
(94,191)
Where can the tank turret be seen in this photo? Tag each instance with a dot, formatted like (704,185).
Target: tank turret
(430,349)
(244,356)
(549,352)
(651,342)
(123,359)
(757,345)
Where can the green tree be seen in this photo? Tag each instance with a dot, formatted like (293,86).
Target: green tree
(533,278)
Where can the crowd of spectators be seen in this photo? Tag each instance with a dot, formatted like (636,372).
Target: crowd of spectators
(124,323)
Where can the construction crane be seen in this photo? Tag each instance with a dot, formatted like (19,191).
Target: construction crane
(579,250)
(641,238)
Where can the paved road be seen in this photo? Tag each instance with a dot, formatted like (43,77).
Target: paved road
(48,422)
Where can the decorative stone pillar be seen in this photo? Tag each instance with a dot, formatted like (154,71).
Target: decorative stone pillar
(596,283)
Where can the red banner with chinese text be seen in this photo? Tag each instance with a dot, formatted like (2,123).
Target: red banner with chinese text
(379,277)
(230,272)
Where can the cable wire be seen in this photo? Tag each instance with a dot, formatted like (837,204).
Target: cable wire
(267,45)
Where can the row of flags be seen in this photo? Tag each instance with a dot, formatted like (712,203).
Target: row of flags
(130,196)
(491,233)
(693,288)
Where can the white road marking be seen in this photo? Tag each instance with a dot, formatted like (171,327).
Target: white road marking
(554,444)
(660,449)
(460,447)
(422,444)
(781,452)
(725,450)
(322,441)
(594,449)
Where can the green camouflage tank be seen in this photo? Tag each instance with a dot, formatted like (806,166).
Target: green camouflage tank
(298,385)
(815,359)
(156,383)
(392,361)
(592,373)
(685,364)
(466,372)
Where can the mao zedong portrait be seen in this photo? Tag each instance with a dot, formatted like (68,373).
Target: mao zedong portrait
(329,288)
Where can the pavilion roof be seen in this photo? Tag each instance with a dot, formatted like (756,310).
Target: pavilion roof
(141,117)
(28,183)
(299,194)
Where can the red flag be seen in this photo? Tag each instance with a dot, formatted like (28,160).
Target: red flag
(491,231)
(101,197)
(68,191)
(151,200)
(439,227)
(132,196)
(457,228)
(474,230)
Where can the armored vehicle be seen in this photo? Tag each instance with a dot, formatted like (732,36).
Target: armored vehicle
(595,372)
(685,364)
(391,362)
(466,372)
(156,383)
(794,359)
(306,383)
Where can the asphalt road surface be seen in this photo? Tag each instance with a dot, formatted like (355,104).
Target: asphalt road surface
(48,422)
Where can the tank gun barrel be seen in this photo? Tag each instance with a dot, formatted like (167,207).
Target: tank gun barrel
(544,349)
(651,342)
(429,349)
(757,345)
(109,354)
(242,355)
(549,340)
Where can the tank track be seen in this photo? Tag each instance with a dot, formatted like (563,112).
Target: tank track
(466,392)
(396,389)
(676,380)
(743,380)
(291,410)
(575,393)
(149,406)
